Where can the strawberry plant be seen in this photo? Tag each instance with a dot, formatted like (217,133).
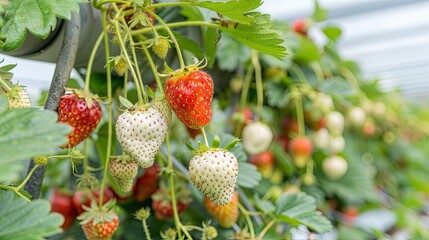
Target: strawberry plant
(155,143)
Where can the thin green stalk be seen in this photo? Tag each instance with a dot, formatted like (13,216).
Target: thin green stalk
(173,38)
(153,68)
(266,228)
(299,112)
(146,230)
(248,220)
(28,177)
(102,2)
(110,115)
(125,84)
(140,91)
(172,4)
(4,85)
(85,160)
(14,189)
(259,85)
(176,24)
(350,77)
(246,86)
(205,137)
(318,71)
(91,61)
(172,188)
(298,72)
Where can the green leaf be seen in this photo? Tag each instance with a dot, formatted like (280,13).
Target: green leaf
(333,33)
(125,102)
(277,94)
(248,175)
(39,17)
(320,14)
(236,10)
(189,45)
(211,37)
(307,51)
(264,205)
(259,35)
(22,220)
(283,160)
(32,131)
(10,170)
(300,209)
(5,71)
(231,53)
(192,13)
(337,87)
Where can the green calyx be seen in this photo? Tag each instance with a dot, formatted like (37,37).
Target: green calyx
(215,145)
(179,73)
(98,214)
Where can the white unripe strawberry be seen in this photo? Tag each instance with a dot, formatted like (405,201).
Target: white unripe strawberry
(141,133)
(257,137)
(321,138)
(334,167)
(337,144)
(215,173)
(357,116)
(335,122)
(18,97)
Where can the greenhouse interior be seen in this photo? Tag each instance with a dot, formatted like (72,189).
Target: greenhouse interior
(214,119)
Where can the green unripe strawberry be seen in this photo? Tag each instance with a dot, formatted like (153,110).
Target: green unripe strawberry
(123,171)
(161,47)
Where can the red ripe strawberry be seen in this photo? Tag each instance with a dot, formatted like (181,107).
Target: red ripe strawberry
(99,223)
(301,149)
(162,204)
(290,127)
(84,197)
(215,173)
(62,203)
(193,133)
(147,184)
(264,162)
(81,111)
(300,26)
(226,215)
(123,171)
(190,94)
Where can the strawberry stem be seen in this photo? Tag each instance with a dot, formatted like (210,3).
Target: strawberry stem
(205,136)
(172,188)
(246,86)
(27,178)
(299,112)
(14,189)
(317,71)
(173,38)
(91,61)
(140,91)
(153,68)
(4,85)
(259,86)
(109,97)
(351,78)
(248,220)
(266,228)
